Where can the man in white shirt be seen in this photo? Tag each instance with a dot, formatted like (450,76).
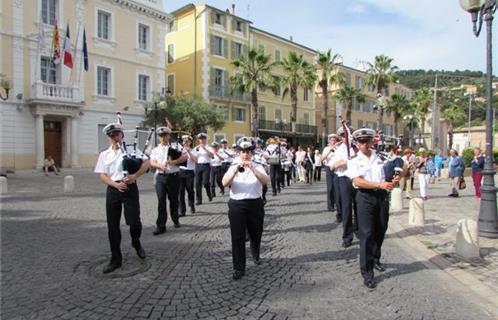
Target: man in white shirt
(122,191)
(300,154)
(165,160)
(327,154)
(366,171)
(216,173)
(204,155)
(227,154)
(187,177)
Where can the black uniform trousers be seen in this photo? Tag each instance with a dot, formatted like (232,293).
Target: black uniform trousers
(317,173)
(215,177)
(245,215)
(115,200)
(330,177)
(186,183)
(309,172)
(373,218)
(202,171)
(167,186)
(345,205)
(274,178)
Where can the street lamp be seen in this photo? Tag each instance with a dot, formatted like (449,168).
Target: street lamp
(471,96)
(409,117)
(379,106)
(161,104)
(488,217)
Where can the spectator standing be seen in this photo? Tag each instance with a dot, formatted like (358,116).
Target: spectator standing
(456,169)
(477,167)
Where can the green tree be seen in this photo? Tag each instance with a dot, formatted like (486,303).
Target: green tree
(398,105)
(452,113)
(421,101)
(186,114)
(328,66)
(253,71)
(347,95)
(380,75)
(298,73)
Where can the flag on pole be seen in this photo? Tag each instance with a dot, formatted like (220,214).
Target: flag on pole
(68,57)
(85,51)
(56,55)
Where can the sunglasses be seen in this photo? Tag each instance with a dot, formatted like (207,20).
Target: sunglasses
(363,140)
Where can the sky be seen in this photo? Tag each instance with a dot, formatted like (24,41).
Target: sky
(417,34)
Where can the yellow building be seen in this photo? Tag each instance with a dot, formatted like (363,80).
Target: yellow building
(58,111)
(201,44)
(363,114)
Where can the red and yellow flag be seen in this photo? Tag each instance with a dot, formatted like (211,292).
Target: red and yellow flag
(56,55)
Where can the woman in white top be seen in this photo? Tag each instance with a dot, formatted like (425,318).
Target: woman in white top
(317,166)
(245,207)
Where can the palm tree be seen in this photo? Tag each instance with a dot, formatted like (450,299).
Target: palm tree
(398,105)
(380,75)
(347,95)
(253,70)
(328,65)
(298,73)
(453,114)
(422,100)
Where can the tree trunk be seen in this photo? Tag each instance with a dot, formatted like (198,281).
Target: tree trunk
(293,96)
(254,113)
(450,136)
(422,142)
(396,119)
(349,107)
(325,107)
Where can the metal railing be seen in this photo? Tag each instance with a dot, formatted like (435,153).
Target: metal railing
(225,93)
(55,92)
(286,127)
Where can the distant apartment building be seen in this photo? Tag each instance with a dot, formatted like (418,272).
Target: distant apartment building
(58,111)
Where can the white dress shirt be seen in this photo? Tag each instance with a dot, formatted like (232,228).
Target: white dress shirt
(328,161)
(190,163)
(300,156)
(370,169)
(110,162)
(341,154)
(160,155)
(318,162)
(226,154)
(216,160)
(245,185)
(202,155)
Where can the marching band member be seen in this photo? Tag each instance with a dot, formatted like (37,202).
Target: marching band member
(272,153)
(327,154)
(187,176)
(216,174)
(204,155)
(227,155)
(308,165)
(287,166)
(283,152)
(122,191)
(245,207)
(366,170)
(167,179)
(259,156)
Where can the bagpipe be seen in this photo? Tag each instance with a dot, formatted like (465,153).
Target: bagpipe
(133,161)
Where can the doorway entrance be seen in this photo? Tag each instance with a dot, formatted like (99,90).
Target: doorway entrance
(53,141)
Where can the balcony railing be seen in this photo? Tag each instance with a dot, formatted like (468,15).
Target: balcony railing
(286,127)
(224,93)
(55,92)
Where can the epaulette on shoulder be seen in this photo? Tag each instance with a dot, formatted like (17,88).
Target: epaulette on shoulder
(353,156)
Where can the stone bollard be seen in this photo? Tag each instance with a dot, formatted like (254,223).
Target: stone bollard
(396,199)
(445,174)
(467,239)
(68,184)
(416,214)
(3,185)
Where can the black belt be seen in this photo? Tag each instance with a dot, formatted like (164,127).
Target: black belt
(168,174)
(203,164)
(227,163)
(373,191)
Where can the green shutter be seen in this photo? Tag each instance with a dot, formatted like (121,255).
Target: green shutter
(225,48)
(211,74)
(225,79)
(234,54)
(211,37)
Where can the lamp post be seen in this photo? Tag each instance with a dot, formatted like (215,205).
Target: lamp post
(470,112)
(409,117)
(379,106)
(161,104)
(488,217)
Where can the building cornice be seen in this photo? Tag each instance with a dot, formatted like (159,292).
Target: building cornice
(154,13)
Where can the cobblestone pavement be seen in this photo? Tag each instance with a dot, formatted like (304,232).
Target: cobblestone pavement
(54,246)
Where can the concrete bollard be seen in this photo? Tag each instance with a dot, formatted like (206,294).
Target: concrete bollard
(68,184)
(396,199)
(416,213)
(3,185)
(445,174)
(467,239)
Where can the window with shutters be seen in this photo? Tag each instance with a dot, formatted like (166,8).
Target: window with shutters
(224,111)
(218,18)
(262,113)
(219,136)
(278,114)
(305,94)
(173,26)
(218,77)
(277,89)
(239,114)
(143,87)
(306,118)
(144,37)
(48,70)
(347,78)
(360,124)
(360,82)
(103,25)
(219,46)
(237,50)
(171,53)
(239,25)
(103,81)
(49,8)
(277,55)
(171,83)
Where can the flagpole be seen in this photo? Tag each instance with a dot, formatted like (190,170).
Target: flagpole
(38,49)
(82,60)
(75,54)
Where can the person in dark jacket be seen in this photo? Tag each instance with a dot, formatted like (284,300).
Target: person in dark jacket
(477,167)
(456,170)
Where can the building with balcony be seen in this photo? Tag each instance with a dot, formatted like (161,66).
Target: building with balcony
(363,114)
(201,43)
(58,111)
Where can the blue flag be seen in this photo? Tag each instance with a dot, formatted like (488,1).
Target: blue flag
(85,51)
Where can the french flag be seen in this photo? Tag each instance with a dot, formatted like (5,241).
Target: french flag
(68,57)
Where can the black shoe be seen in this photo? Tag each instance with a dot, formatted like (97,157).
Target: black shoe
(256,259)
(159,230)
(222,192)
(177,225)
(347,244)
(274,194)
(379,266)
(210,198)
(192,210)
(370,284)
(182,214)
(111,267)
(213,195)
(237,274)
(140,251)
(198,203)
(339,219)
(264,202)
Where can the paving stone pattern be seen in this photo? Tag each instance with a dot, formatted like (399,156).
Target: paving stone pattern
(54,246)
